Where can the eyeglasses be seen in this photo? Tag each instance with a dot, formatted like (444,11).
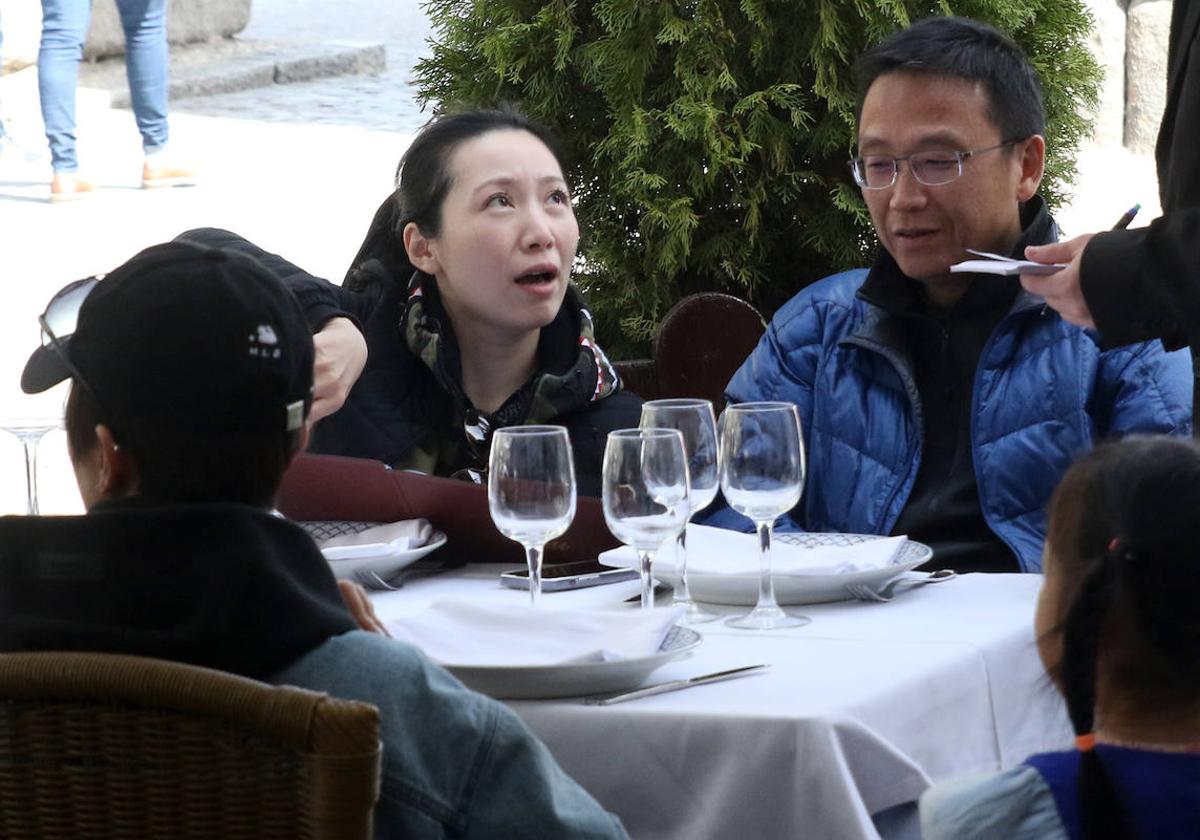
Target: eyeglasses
(59,320)
(934,168)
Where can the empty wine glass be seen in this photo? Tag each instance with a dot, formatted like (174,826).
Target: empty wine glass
(645,493)
(30,431)
(762,476)
(531,490)
(695,421)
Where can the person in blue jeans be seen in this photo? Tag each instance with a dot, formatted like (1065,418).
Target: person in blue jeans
(1118,627)
(3,133)
(64,30)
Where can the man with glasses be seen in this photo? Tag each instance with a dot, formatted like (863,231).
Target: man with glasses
(943,405)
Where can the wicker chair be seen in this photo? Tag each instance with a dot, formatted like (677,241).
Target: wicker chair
(99,745)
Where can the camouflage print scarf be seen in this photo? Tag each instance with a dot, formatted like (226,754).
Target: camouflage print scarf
(572,372)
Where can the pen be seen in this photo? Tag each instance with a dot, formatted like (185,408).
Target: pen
(1125,219)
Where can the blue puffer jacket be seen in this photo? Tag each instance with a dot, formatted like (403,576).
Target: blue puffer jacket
(1043,394)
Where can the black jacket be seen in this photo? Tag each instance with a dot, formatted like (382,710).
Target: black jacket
(223,586)
(400,400)
(1145,283)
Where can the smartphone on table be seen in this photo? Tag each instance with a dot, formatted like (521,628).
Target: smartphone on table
(576,575)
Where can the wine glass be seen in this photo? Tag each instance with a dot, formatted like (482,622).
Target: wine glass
(30,431)
(762,476)
(695,421)
(531,490)
(645,493)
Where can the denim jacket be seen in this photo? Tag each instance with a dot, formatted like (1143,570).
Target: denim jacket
(455,764)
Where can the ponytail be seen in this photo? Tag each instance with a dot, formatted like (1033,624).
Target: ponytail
(1100,813)
(1134,603)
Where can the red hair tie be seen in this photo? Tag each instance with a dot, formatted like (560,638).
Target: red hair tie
(1085,743)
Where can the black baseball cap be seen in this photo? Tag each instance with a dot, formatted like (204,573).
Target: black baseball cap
(183,335)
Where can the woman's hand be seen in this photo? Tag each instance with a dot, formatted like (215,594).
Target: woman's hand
(359,604)
(341,353)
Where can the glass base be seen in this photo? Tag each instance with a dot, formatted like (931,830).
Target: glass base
(767,618)
(695,614)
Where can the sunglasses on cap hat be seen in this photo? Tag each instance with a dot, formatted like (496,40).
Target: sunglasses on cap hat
(146,340)
(58,325)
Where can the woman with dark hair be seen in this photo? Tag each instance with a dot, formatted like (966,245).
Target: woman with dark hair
(1118,625)
(458,316)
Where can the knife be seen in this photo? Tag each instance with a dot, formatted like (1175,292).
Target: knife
(660,589)
(676,685)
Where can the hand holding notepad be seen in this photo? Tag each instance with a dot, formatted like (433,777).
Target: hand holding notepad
(997,264)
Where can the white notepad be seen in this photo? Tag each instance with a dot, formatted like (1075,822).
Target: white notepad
(997,264)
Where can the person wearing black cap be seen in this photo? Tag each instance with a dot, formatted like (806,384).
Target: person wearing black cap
(191,381)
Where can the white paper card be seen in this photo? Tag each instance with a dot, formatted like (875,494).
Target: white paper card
(997,264)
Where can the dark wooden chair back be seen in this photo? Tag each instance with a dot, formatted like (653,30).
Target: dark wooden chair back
(700,344)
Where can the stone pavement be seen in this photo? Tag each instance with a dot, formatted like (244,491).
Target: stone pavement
(298,168)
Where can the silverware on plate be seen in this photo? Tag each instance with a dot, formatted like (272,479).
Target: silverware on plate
(887,592)
(371,580)
(675,685)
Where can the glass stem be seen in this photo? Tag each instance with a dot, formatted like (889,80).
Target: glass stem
(533,558)
(766,586)
(683,595)
(31,499)
(646,561)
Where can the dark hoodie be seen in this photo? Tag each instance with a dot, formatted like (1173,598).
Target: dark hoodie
(231,587)
(943,509)
(223,586)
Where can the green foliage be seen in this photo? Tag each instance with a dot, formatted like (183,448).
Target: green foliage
(708,139)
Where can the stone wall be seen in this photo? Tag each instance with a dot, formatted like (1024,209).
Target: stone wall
(1130,41)
(188,21)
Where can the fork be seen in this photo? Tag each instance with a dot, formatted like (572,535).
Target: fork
(887,592)
(371,580)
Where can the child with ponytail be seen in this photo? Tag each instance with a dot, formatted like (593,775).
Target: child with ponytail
(1118,625)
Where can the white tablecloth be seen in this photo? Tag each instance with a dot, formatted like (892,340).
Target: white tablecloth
(860,711)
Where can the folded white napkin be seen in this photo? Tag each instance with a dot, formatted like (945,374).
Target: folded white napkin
(460,633)
(718,551)
(390,538)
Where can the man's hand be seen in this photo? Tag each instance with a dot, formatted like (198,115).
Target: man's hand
(341,353)
(1061,290)
(359,604)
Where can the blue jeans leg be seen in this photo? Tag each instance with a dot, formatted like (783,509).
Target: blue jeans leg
(1,65)
(145,25)
(64,28)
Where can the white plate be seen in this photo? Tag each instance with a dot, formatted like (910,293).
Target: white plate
(528,682)
(384,559)
(742,590)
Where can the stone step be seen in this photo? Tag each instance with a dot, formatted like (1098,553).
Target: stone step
(231,64)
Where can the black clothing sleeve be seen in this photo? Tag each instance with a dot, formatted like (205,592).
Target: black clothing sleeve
(1145,283)
(1142,284)
(320,299)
